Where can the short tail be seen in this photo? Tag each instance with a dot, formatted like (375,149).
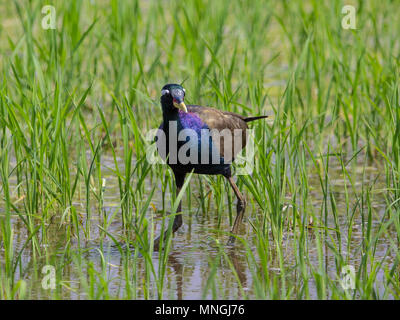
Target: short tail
(254,118)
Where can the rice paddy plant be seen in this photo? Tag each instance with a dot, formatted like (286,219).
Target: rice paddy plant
(78,193)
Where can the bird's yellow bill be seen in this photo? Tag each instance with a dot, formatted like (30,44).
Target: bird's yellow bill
(181,106)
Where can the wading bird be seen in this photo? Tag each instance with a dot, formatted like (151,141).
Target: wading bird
(208,151)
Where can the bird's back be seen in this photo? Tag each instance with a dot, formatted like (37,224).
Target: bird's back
(221,126)
(218,121)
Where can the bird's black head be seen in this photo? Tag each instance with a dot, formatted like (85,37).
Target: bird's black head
(172,97)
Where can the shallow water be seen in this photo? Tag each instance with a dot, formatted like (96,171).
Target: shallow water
(195,250)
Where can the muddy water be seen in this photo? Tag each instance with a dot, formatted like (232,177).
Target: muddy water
(194,251)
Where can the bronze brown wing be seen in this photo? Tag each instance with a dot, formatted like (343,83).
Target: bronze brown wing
(224,125)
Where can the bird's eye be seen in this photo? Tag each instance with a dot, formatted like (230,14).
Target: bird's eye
(164,92)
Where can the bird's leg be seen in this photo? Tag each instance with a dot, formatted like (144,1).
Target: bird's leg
(179,180)
(178,217)
(241,206)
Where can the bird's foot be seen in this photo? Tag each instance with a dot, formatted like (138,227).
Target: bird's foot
(156,244)
(231,241)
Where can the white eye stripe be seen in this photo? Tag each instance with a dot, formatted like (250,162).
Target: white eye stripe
(165,91)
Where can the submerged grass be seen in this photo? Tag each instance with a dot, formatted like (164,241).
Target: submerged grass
(76,103)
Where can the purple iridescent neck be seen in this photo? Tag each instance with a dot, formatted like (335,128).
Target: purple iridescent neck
(190,120)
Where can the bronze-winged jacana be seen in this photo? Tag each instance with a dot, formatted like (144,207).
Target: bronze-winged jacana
(200,125)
